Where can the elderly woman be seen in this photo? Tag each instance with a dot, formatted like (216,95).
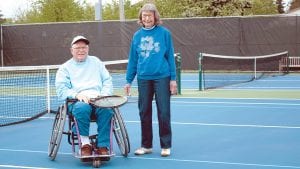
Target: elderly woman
(151,59)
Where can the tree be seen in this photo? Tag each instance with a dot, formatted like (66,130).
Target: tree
(280,6)
(206,8)
(56,11)
(2,20)
(228,7)
(72,10)
(259,7)
(111,10)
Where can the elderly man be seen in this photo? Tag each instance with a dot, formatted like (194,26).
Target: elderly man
(84,77)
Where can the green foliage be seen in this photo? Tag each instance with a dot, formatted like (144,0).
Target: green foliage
(170,8)
(111,11)
(210,8)
(194,8)
(280,7)
(228,7)
(259,7)
(131,11)
(56,11)
(2,20)
(71,10)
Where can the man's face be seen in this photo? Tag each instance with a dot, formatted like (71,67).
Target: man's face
(80,51)
(148,19)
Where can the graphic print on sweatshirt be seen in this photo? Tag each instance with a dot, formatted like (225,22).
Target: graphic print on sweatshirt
(148,45)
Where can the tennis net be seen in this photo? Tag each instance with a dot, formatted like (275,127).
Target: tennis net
(28,92)
(216,71)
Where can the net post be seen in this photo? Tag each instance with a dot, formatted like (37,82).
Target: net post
(288,63)
(48,90)
(200,56)
(178,71)
(255,76)
(1,45)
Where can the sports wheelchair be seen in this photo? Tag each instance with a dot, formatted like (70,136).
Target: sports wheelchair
(118,129)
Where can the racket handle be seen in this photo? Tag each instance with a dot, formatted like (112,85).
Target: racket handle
(71,100)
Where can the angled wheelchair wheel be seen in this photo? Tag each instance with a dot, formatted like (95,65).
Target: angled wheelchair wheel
(120,133)
(57,131)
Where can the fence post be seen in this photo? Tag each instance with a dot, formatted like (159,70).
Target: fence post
(201,86)
(288,63)
(178,71)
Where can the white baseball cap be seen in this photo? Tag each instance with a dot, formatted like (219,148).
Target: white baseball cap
(80,38)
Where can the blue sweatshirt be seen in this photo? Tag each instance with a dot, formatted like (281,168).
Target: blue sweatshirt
(151,55)
(89,77)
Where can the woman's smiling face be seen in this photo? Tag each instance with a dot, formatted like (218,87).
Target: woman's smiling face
(148,19)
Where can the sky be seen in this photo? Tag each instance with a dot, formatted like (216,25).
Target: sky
(9,8)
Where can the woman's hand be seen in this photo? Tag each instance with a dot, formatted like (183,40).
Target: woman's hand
(173,87)
(127,89)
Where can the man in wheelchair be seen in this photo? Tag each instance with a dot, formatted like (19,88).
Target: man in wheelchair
(83,77)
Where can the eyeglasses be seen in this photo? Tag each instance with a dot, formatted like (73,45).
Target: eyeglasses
(144,16)
(80,48)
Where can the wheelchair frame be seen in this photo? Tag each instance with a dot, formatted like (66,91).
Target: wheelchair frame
(118,129)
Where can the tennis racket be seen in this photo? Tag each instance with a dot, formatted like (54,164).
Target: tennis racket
(108,101)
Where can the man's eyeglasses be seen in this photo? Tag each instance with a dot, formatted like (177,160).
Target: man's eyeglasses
(80,48)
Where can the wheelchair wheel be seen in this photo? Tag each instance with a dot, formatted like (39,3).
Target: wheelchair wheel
(120,133)
(57,131)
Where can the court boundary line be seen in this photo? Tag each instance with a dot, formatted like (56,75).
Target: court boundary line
(172,159)
(174,97)
(232,98)
(238,103)
(210,124)
(225,125)
(218,162)
(26,167)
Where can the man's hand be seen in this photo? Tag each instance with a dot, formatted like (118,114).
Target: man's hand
(82,98)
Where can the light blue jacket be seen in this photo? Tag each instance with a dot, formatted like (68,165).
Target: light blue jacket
(89,77)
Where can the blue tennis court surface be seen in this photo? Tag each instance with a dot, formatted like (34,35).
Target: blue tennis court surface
(209,133)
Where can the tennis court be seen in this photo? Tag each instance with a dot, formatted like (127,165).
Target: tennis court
(243,126)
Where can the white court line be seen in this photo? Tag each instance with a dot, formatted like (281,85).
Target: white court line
(226,125)
(219,162)
(206,124)
(237,103)
(229,98)
(172,159)
(17,166)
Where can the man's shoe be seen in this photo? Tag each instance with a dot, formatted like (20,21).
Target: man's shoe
(102,151)
(165,152)
(86,150)
(142,150)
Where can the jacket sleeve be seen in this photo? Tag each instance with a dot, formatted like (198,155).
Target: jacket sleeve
(63,84)
(132,63)
(170,56)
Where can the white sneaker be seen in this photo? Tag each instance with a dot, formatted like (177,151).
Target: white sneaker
(142,150)
(165,152)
